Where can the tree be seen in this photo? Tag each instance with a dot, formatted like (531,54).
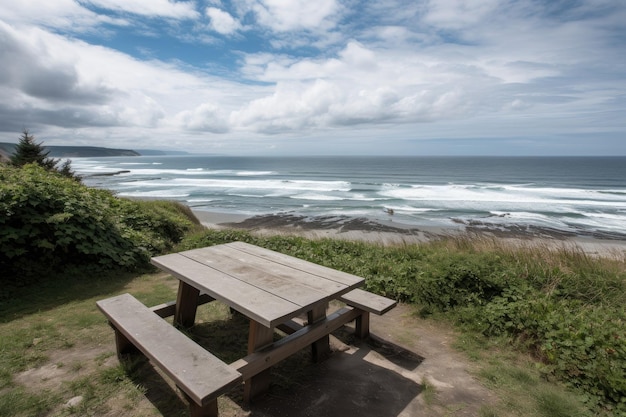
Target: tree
(28,151)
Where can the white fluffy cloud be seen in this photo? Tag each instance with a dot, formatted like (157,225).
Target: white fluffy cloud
(289,15)
(222,22)
(66,14)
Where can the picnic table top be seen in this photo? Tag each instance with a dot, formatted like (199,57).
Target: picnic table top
(267,286)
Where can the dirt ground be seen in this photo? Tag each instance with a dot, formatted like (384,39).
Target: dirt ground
(407,368)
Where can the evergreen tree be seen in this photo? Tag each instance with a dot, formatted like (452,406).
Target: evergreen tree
(28,151)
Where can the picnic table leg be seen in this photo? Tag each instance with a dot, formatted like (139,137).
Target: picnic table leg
(186,305)
(362,325)
(122,344)
(321,347)
(259,337)
(209,410)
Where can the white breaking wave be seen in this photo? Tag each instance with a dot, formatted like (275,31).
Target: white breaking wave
(472,194)
(319,197)
(298,185)
(154,194)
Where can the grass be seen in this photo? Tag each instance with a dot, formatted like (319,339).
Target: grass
(524,392)
(64,349)
(67,341)
(58,328)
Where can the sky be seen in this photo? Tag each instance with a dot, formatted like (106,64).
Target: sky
(317,77)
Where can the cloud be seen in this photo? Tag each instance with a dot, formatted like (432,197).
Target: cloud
(151,8)
(49,79)
(222,22)
(61,14)
(205,118)
(30,68)
(459,14)
(290,15)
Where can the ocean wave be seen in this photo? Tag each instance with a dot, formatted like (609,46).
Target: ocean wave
(154,194)
(319,197)
(254,173)
(301,185)
(474,193)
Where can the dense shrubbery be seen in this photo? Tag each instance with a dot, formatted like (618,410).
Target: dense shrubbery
(564,307)
(49,222)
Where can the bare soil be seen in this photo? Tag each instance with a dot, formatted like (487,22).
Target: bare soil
(407,368)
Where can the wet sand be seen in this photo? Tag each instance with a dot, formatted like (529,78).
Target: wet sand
(394,233)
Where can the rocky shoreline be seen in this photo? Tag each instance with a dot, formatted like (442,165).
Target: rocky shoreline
(389,232)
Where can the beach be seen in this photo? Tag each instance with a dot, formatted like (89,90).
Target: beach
(391,232)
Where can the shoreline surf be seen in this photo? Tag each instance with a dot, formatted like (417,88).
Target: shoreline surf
(576,197)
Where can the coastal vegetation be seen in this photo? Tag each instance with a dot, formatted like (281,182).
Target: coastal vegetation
(562,308)
(50,222)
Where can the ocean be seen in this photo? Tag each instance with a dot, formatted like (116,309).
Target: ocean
(584,196)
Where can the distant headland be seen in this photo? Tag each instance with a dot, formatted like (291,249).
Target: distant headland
(7,149)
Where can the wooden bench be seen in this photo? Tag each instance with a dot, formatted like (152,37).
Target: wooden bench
(197,373)
(368,303)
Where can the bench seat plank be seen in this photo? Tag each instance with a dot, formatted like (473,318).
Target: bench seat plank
(202,376)
(368,301)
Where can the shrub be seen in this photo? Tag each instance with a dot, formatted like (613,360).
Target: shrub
(460,279)
(50,222)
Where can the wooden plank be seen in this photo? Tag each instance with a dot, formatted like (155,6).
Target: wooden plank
(289,327)
(168,309)
(257,362)
(197,372)
(294,276)
(276,279)
(255,303)
(341,277)
(368,301)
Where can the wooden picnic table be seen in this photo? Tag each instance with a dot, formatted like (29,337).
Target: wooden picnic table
(269,288)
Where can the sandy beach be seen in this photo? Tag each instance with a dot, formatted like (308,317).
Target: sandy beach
(394,233)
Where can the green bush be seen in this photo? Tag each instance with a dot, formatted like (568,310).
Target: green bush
(49,222)
(460,280)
